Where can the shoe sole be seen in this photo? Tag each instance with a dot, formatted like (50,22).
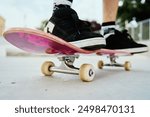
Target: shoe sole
(90,42)
(135,50)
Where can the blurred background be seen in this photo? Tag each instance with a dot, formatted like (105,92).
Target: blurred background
(135,15)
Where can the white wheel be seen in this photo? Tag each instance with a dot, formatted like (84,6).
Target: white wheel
(45,68)
(100,64)
(86,72)
(127,66)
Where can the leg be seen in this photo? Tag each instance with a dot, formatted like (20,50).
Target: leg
(110,8)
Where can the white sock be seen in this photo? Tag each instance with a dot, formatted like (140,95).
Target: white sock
(108,28)
(62,2)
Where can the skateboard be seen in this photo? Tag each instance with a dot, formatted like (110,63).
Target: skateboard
(36,41)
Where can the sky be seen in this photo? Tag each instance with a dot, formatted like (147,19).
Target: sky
(30,13)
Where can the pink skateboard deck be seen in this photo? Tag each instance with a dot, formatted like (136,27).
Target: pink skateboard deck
(36,41)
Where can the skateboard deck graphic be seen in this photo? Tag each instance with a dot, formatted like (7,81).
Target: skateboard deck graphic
(36,41)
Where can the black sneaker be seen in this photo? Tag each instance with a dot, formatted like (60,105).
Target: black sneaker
(117,40)
(65,24)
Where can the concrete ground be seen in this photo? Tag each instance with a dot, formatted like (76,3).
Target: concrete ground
(21,78)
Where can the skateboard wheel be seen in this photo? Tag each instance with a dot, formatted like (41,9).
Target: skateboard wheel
(86,72)
(46,68)
(127,66)
(100,64)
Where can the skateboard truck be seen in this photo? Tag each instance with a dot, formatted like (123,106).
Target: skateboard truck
(113,63)
(85,72)
(66,65)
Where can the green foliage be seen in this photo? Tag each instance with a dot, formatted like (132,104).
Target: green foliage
(133,8)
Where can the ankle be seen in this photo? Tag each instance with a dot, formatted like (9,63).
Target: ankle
(62,4)
(108,28)
(60,7)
